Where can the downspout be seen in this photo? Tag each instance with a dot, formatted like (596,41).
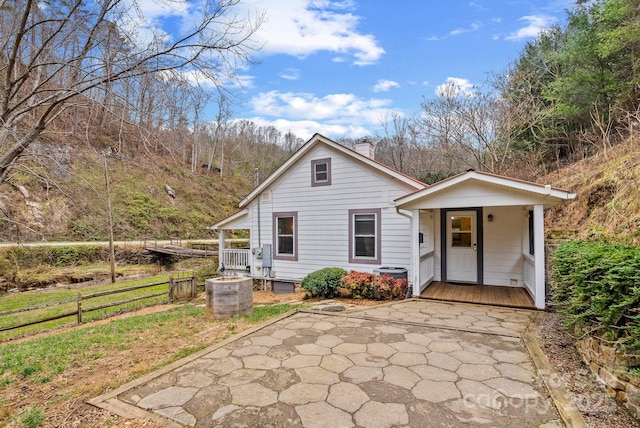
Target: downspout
(409,215)
(264,286)
(259,196)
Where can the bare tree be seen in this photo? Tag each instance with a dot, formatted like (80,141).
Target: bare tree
(217,132)
(396,145)
(54,53)
(469,128)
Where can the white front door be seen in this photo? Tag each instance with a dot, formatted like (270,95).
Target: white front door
(462,246)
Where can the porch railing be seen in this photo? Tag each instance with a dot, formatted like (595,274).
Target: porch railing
(529,266)
(426,269)
(236,259)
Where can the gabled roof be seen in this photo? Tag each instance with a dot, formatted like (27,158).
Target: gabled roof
(317,139)
(488,178)
(234,221)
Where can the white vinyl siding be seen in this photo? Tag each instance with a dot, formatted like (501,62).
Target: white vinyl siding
(323,215)
(503,246)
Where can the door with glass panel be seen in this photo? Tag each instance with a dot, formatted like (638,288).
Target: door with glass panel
(462,246)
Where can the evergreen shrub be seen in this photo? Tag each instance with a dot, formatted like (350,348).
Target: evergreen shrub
(324,282)
(597,289)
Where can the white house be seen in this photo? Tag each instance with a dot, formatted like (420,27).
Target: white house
(331,206)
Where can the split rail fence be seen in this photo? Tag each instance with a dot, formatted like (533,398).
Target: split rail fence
(179,287)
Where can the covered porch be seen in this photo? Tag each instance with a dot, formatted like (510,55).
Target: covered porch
(513,297)
(233,260)
(479,237)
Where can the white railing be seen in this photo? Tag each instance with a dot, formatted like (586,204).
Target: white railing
(236,259)
(529,266)
(426,269)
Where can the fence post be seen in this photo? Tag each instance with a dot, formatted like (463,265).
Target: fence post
(171,289)
(194,285)
(79,308)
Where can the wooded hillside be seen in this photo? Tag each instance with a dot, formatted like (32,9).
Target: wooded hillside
(565,112)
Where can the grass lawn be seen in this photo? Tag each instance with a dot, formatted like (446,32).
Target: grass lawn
(49,303)
(54,375)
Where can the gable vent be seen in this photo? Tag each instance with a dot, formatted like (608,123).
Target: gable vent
(266,196)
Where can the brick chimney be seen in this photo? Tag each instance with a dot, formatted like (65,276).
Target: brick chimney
(365,147)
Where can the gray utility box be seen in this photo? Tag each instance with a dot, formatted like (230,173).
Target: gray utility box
(267,256)
(393,272)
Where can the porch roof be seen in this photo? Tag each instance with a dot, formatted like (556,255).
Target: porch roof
(474,189)
(239,220)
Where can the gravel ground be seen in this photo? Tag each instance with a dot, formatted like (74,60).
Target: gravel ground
(590,395)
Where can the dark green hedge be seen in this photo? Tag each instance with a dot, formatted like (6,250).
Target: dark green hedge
(324,282)
(597,288)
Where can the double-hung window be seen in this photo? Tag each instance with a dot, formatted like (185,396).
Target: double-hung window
(285,231)
(321,172)
(364,236)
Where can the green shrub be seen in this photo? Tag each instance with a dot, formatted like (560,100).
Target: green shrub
(324,282)
(597,288)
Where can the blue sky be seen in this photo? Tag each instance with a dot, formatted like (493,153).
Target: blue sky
(340,67)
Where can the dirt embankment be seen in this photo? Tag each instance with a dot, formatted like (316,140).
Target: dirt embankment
(608,196)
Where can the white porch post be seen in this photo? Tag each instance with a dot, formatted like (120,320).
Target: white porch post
(220,246)
(415,252)
(538,242)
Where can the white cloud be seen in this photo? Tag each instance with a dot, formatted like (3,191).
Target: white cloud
(458,85)
(306,113)
(290,74)
(384,85)
(473,27)
(306,128)
(304,27)
(154,9)
(535,24)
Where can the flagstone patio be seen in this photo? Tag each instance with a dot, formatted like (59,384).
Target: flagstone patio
(411,363)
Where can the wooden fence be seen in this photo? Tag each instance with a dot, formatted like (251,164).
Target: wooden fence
(180,287)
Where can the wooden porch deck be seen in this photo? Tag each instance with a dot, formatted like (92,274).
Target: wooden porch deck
(514,297)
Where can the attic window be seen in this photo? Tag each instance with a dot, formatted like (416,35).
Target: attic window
(321,172)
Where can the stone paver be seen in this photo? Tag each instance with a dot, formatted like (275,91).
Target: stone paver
(411,363)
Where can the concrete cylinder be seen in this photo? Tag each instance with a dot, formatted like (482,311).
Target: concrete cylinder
(228,297)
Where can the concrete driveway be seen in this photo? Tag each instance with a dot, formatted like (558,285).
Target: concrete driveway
(413,363)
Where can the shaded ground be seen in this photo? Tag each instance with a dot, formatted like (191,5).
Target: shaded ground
(595,405)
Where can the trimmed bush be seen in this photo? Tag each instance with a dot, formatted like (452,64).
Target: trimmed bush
(324,282)
(389,288)
(358,284)
(364,285)
(597,289)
